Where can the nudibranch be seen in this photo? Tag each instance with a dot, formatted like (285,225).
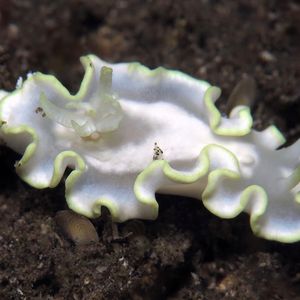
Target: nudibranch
(131,132)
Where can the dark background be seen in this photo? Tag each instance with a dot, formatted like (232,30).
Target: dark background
(187,253)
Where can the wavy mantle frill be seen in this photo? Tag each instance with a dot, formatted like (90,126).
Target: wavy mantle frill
(218,159)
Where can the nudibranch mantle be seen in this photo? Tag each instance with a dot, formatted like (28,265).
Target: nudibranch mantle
(131,132)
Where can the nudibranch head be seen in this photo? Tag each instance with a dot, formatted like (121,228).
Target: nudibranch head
(106,133)
(91,116)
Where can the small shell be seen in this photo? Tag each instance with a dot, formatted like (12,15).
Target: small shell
(75,227)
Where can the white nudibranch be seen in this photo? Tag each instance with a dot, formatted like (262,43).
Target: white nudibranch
(100,113)
(105,134)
